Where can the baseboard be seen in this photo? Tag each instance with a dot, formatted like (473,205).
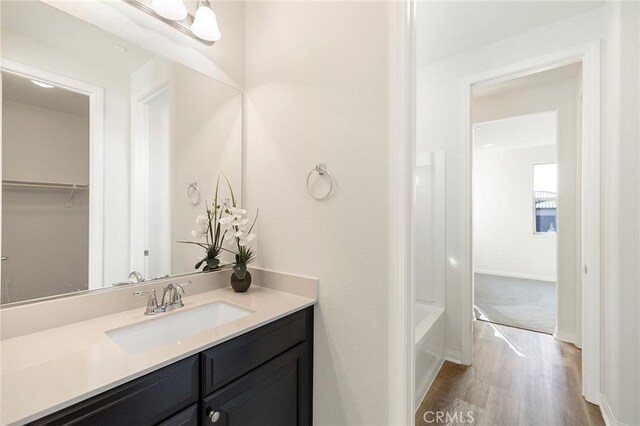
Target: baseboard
(564,336)
(431,380)
(452,355)
(607,414)
(516,275)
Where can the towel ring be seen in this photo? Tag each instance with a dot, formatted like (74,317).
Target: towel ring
(321,170)
(193,193)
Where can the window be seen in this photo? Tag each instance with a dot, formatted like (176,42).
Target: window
(545,194)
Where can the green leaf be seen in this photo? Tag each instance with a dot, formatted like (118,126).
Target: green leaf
(233,196)
(213,263)
(199,264)
(204,246)
(240,270)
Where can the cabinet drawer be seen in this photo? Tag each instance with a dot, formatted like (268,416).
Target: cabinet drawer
(188,417)
(145,401)
(274,394)
(224,363)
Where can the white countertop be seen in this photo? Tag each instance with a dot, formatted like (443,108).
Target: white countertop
(43,372)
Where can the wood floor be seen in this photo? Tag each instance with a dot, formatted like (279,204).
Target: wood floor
(518,377)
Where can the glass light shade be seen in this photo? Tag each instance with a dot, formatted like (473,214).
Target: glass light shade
(170,9)
(205,24)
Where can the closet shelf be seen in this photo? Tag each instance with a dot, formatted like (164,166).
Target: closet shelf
(44,185)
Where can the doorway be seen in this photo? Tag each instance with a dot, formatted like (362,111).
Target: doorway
(515,198)
(571,325)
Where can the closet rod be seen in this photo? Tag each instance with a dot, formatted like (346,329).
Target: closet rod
(48,185)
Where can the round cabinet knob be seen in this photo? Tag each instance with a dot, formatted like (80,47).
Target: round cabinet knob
(214,416)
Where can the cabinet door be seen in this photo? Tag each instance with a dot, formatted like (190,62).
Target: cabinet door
(144,401)
(276,393)
(188,417)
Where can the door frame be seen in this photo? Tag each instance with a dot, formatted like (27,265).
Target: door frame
(402,144)
(589,55)
(140,175)
(96,156)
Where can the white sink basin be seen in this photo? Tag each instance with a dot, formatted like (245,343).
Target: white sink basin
(169,328)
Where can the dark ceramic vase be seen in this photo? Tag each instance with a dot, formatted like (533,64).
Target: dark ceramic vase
(240,286)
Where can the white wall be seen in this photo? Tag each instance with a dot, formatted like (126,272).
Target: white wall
(439,126)
(158,223)
(316,87)
(503,219)
(429,245)
(620,177)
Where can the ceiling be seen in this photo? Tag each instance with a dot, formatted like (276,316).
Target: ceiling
(46,24)
(516,132)
(530,81)
(21,89)
(446,28)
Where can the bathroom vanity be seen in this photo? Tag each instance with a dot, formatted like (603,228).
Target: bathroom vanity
(261,377)
(224,358)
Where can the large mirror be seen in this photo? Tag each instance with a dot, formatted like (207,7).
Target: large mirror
(109,153)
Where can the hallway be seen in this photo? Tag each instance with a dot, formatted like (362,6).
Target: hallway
(518,377)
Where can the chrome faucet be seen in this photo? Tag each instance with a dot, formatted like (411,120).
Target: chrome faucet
(173,301)
(175,292)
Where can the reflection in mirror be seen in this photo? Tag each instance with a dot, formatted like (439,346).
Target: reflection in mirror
(45,189)
(109,153)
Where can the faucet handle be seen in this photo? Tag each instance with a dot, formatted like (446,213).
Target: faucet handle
(152,303)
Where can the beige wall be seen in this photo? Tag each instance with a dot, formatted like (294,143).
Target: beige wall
(207,140)
(39,234)
(44,145)
(316,88)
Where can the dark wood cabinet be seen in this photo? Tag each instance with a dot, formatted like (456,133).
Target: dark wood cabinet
(272,394)
(263,377)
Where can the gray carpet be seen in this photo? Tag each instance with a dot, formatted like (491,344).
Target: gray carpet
(517,302)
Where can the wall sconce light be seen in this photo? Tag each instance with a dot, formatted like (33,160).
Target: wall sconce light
(202,27)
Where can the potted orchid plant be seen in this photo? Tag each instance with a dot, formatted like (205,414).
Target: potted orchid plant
(239,234)
(210,231)
(225,222)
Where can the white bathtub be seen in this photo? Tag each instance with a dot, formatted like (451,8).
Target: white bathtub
(429,346)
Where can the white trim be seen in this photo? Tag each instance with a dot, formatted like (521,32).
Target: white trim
(453,355)
(432,378)
(607,413)
(96,157)
(564,336)
(467,268)
(402,77)
(589,54)
(140,176)
(515,275)
(590,236)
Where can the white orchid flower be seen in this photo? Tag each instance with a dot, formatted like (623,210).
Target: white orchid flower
(199,233)
(237,211)
(225,220)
